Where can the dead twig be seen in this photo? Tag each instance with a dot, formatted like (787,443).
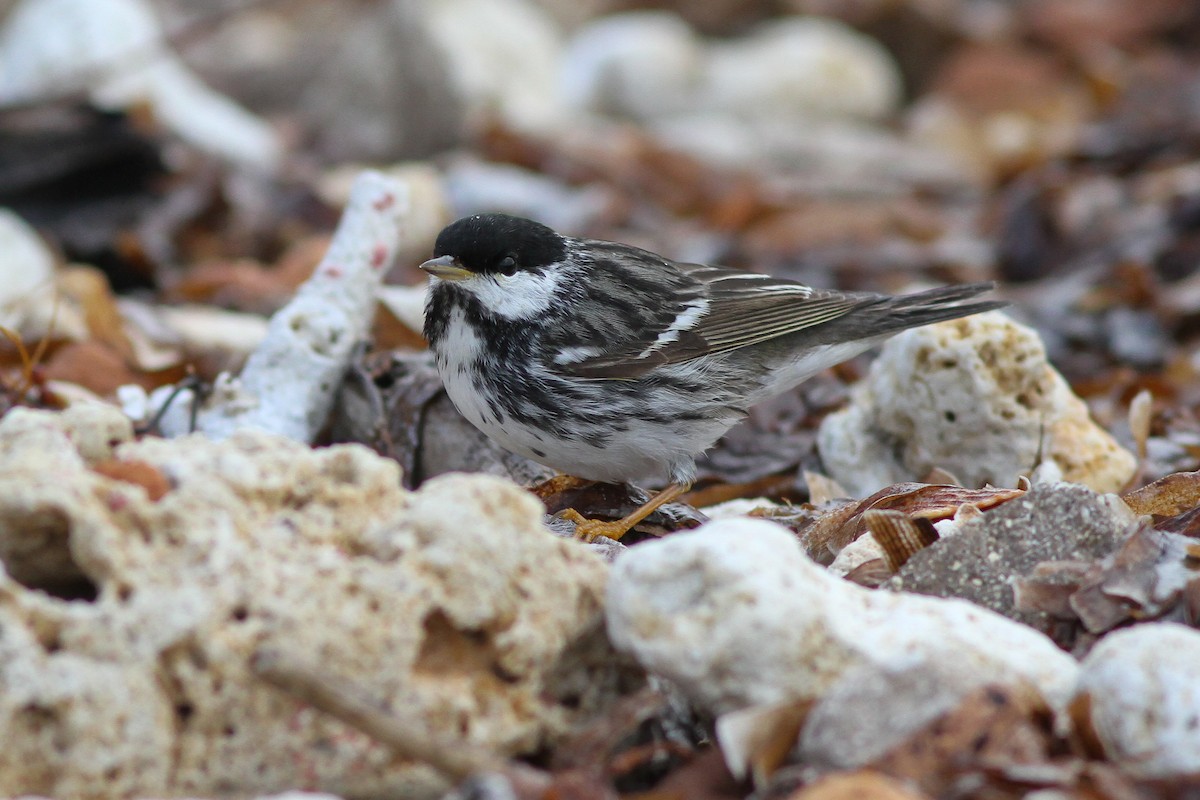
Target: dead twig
(409,739)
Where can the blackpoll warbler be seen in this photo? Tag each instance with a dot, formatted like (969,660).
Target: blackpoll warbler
(611,363)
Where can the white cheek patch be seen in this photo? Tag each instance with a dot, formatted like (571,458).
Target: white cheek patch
(526,295)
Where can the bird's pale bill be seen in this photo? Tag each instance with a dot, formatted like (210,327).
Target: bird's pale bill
(447,268)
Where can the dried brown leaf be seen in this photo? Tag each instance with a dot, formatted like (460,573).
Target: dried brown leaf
(88,288)
(871,574)
(93,365)
(863,784)
(1166,497)
(703,778)
(757,740)
(1045,596)
(899,535)
(822,488)
(141,473)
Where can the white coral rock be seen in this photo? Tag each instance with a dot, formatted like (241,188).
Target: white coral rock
(129,668)
(738,616)
(974,396)
(1143,698)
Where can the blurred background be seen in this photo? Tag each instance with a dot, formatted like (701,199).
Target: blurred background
(175,168)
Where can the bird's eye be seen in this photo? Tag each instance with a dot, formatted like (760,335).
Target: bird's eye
(507,266)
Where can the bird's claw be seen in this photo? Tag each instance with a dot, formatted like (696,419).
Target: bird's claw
(589,530)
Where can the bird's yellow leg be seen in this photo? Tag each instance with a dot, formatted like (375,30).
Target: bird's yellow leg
(590,529)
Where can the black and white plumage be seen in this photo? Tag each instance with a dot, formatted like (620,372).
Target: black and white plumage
(611,363)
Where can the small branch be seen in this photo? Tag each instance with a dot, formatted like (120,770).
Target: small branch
(408,739)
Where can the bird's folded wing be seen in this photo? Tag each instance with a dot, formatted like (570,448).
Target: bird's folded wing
(735,309)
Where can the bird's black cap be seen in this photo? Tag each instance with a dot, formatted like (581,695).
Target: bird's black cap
(488,243)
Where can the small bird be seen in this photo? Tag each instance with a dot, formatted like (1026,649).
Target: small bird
(611,363)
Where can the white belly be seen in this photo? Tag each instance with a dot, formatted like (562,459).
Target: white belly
(642,451)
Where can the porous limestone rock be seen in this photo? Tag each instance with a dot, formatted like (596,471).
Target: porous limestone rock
(976,397)
(1143,700)
(738,616)
(451,605)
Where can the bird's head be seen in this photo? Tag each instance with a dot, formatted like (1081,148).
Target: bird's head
(512,266)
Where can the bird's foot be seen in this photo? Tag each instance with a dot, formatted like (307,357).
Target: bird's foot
(590,529)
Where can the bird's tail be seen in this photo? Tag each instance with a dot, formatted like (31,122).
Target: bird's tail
(894,314)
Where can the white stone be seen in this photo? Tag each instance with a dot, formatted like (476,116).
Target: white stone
(863,549)
(452,606)
(976,397)
(1144,699)
(473,186)
(503,56)
(738,616)
(642,64)
(26,263)
(806,65)
(651,66)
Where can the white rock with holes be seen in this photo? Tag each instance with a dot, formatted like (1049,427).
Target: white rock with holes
(738,616)
(1143,698)
(141,576)
(976,397)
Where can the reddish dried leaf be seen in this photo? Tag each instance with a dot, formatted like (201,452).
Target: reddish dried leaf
(1002,77)
(389,333)
(899,535)
(141,473)
(1046,596)
(756,741)
(872,574)
(241,284)
(1094,25)
(863,784)
(93,365)
(1146,577)
(90,290)
(703,778)
(1185,524)
(1166,497)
